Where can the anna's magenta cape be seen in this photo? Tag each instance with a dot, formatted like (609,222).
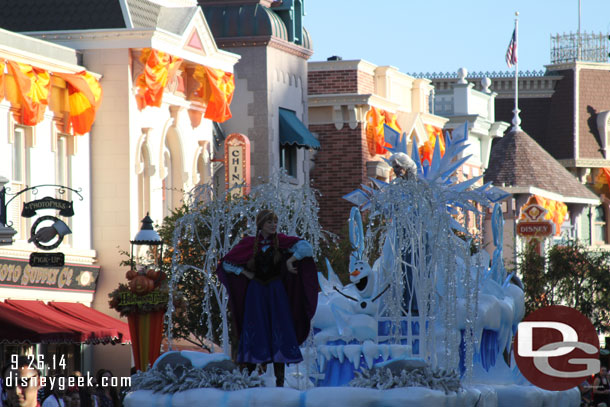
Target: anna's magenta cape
(302,288)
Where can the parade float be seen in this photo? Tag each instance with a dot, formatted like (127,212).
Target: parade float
(429,322)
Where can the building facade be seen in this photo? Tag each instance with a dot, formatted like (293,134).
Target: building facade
(147,146)
(43,156)
(270,104)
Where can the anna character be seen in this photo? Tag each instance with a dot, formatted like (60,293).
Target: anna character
(272,283)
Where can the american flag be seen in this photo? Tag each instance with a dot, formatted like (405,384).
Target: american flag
(511,52)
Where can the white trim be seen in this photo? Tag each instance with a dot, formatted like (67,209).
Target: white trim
(40,61)
(550,195)
(126,14)
(199,24)
(338,99)
(147,38)
(348,65)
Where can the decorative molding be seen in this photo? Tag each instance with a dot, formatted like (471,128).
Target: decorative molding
(584,162)
(203,150)
(163,150)
(174,112)
(263,41)
(338,117)
(338,99)
(199,27)
(70,139)
(126,14)
(528,190)
(140,144)
(138,39)
(352,116)
(347,65)
(40,61)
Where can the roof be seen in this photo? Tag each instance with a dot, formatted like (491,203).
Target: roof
(143,13)
(247,18)
(517,160)
(175,19)
(37,47)
(63,15)
(60,15)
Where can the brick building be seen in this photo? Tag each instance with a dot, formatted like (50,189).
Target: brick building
(340,95)
(565,109)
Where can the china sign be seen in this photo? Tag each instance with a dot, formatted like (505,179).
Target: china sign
(237,164)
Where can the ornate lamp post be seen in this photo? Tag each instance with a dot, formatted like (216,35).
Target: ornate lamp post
(143,300)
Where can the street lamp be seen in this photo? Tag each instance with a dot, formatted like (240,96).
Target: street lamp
(146,236)
(146,301)
(143,281)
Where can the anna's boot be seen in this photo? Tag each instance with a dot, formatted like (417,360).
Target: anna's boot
(278,369)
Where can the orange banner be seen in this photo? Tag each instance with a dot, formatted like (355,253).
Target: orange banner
(426,152)
(603,178)
(375,138)
(216,88)
(85,97)
(159,68)
(31,91)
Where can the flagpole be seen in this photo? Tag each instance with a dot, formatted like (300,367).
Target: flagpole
(516,119)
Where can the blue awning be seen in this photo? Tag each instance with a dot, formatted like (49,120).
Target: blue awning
(294,132)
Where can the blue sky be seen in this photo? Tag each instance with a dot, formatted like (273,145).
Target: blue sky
(443,35)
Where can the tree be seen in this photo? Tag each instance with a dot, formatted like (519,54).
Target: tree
(198,234)
(570,275)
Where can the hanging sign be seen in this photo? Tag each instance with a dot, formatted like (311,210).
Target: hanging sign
(533,226)
(237,164)
(65,208)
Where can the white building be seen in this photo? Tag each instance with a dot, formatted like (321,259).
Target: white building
(141,160)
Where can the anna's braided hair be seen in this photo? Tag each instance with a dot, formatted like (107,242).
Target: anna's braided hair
(262,217)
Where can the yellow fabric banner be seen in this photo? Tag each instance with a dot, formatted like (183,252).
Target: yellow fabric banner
(216,88)
(159,68)
(31,91)
(85,97)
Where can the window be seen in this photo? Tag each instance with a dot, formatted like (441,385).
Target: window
(288,159)
(62,161)
(22,140)
(64,150)
(600,234)
(19,157)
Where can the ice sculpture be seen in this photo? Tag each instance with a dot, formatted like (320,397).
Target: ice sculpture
(426,299)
